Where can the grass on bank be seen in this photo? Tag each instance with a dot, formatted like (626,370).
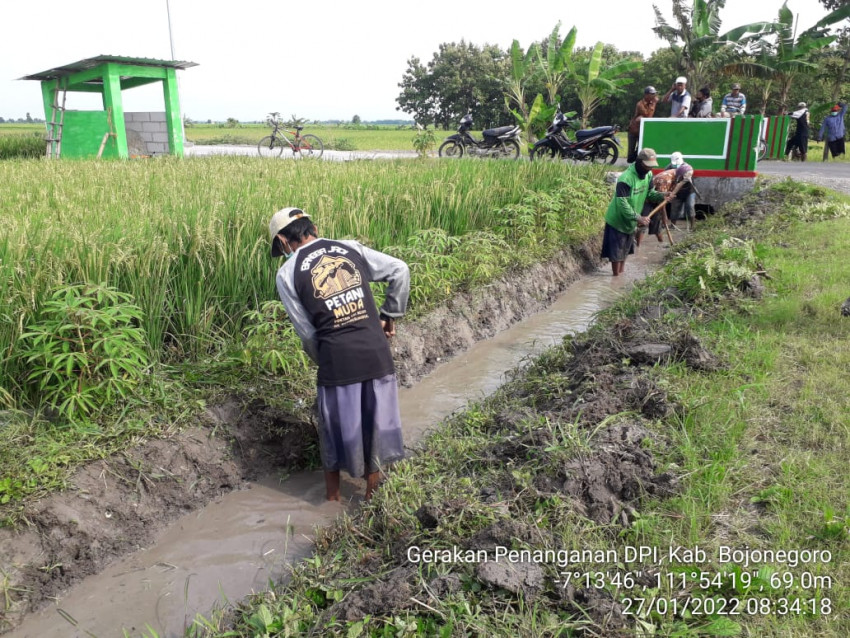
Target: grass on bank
(761,447)
(182,245)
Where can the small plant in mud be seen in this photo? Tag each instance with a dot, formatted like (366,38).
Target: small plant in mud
(85,350)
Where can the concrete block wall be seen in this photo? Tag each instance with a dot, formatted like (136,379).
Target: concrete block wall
(147,128)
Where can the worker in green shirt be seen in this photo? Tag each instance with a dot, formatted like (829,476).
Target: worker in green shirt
(634,187)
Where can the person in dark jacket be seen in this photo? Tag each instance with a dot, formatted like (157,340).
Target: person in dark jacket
(633,188)
(324,286)
(800,140)
(702,106)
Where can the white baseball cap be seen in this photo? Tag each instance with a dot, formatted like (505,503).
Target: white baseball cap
(677,159)
(681,79)
(280,220)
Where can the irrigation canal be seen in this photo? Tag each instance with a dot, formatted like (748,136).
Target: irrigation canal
(235,546)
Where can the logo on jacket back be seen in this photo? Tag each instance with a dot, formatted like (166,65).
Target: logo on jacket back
(333,275)
(338,282)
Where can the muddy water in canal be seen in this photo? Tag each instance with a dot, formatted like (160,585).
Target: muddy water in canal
(236,545)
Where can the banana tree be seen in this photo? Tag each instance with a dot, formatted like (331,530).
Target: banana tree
(555,63)
(791,55)
(696,38)
(595,83)
(522,66)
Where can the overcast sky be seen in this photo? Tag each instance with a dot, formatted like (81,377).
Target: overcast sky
(319,59)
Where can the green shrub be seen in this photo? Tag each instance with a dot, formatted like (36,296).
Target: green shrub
(271,342)
(85,349)
(424,141)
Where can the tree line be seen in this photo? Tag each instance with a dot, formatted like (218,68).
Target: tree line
(778,63)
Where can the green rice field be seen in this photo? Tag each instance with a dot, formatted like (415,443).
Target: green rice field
(187,239)
(345,138)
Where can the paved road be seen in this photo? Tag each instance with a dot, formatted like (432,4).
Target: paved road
(835,175)
(332,156)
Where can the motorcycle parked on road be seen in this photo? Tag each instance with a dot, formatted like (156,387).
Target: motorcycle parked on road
(499,142)
(591,145)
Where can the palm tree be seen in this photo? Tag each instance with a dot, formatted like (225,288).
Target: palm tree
(791,54)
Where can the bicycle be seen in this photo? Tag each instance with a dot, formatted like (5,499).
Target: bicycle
(303,145)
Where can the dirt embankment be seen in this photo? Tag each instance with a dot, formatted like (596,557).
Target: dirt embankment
(116,506)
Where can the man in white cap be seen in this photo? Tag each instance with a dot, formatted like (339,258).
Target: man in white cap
(679,98)
(324,286)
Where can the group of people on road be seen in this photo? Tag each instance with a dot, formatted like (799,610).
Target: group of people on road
(832,131)
(628,216)
(683,105)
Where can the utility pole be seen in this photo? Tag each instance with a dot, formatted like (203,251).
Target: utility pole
(177,75)
(170,35)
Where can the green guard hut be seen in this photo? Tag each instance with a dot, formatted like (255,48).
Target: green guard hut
(111,132)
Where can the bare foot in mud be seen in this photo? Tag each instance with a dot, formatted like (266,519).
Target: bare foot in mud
(332,485)
(373,481)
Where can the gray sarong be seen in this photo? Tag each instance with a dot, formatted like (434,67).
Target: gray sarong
(360,426)
(616,246)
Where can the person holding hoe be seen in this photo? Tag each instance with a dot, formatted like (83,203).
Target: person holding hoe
(633,188)
(684,204)
(324,286)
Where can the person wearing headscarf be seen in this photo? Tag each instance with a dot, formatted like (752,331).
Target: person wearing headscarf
(684,204)
(832,129)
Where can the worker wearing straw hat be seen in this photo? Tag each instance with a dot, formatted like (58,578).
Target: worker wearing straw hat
(324,286)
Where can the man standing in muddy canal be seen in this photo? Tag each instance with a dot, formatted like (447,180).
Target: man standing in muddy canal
(633,188)
(324,286)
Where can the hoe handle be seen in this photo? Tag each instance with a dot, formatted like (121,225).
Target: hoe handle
(672,192)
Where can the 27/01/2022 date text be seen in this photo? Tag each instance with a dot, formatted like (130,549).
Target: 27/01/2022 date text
(697,606)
